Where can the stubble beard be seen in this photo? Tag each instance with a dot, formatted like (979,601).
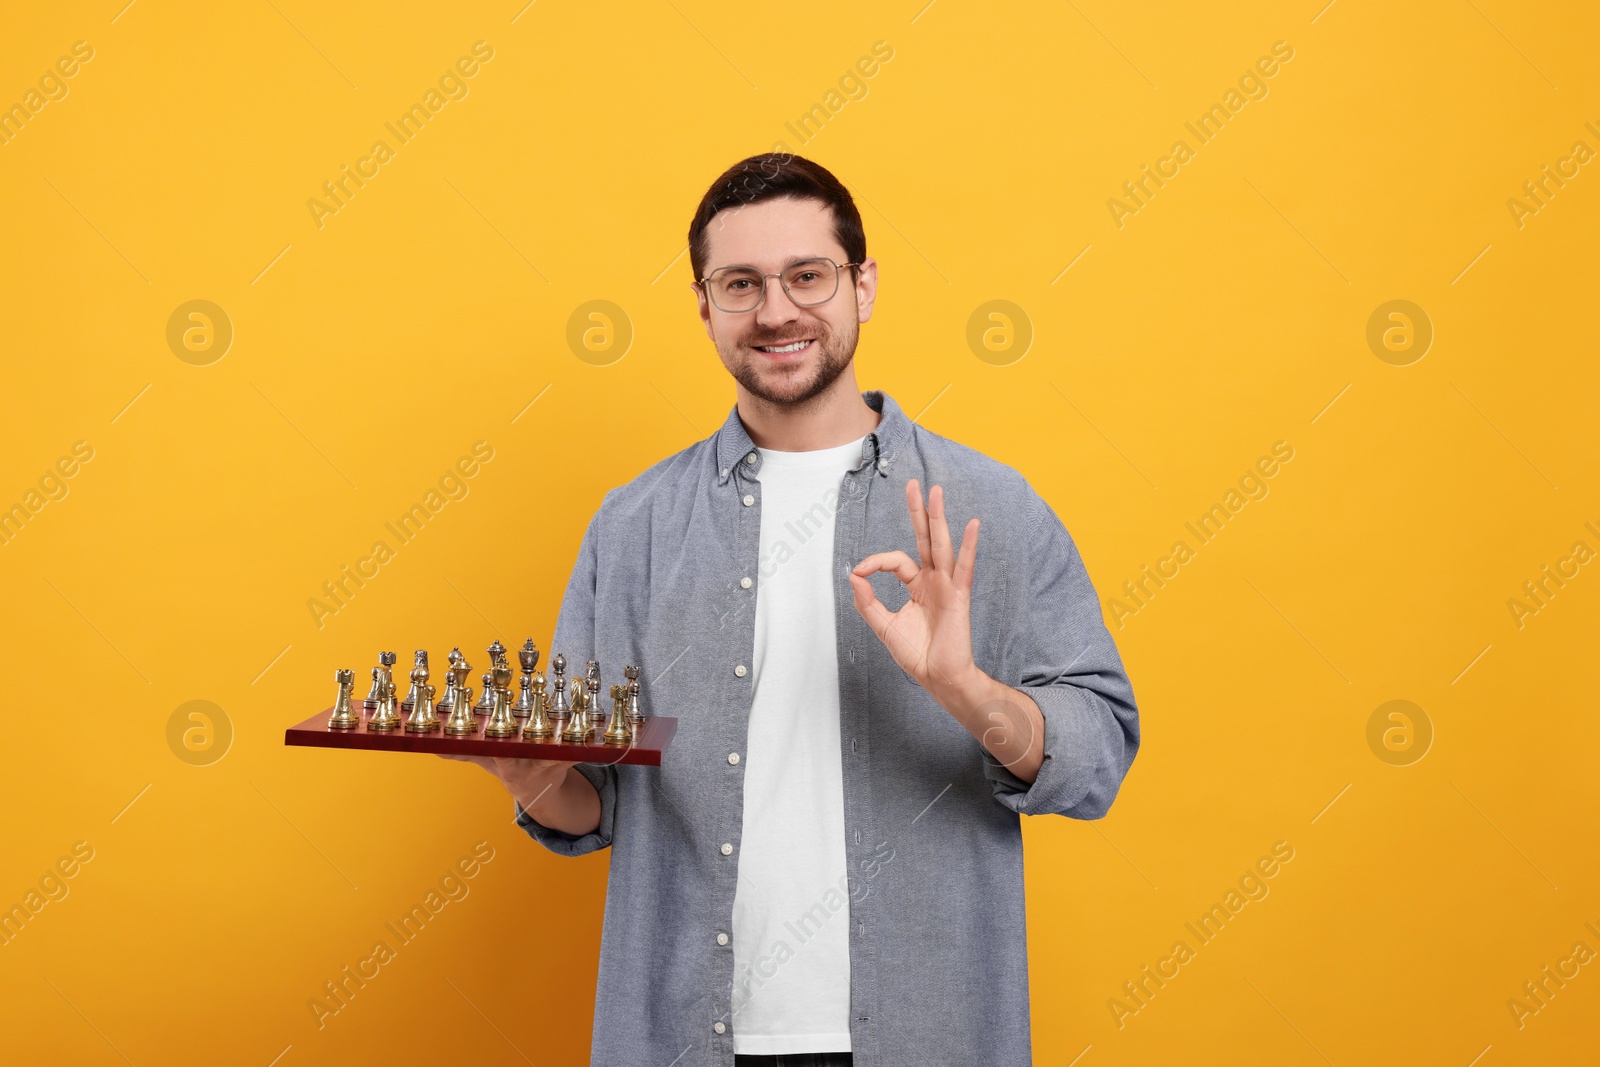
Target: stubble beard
(791,386)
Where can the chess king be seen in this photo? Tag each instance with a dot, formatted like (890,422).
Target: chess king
(828,864)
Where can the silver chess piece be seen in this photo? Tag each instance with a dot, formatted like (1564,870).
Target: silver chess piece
(380,680)
(559,710)
(528,657)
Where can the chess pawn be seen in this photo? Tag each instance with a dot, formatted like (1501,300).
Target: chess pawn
(486,702)
(528,657)
(344,716)
(539,727)
(461,720)
(577,729)
(559,710)
(380,679)
(635,709)
(620,731)
(447,706)
(501,722)
(422,719)
(419,665)
(384,718)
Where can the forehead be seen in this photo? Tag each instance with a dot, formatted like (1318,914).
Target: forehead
(771,233)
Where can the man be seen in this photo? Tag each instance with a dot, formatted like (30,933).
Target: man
(827,866)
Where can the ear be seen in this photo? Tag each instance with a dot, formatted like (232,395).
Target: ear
(705,307)
(866,288)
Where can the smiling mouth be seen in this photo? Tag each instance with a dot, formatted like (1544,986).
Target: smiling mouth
(789,349)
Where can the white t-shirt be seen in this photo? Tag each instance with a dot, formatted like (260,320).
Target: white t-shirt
(791,908)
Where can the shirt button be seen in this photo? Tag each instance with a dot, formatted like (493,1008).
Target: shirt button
(724,472)
(751,459)
(733,757)
(748,500)
(726,849)
(740,670)
(744,583)
(719,1028)
(883,464)
(722,938)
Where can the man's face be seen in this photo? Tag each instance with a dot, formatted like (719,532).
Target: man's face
(769,236)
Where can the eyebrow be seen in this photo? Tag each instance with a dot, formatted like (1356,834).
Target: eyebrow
(786,266)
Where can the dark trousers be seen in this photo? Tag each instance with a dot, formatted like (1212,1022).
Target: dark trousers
(798,1059)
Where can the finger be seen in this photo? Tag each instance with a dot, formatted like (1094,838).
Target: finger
(967,560)
(877,616)
(919,520)
(897,563)
(944,557)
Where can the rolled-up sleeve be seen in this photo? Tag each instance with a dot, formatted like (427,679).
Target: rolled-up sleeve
(1060,653)
(575,638)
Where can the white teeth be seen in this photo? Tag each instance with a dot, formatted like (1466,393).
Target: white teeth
(795,347)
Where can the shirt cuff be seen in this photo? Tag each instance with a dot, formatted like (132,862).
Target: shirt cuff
(1086,755)
(604,780)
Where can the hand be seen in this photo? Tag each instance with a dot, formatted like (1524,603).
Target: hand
(930,637)
(528,780)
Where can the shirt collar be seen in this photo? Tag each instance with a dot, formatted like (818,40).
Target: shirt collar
(879,449)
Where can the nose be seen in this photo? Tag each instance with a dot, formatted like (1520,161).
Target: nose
(776,307)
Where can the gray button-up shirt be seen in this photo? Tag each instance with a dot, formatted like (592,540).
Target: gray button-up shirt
(938,946)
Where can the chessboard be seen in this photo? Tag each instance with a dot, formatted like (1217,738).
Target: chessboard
(647,748)
(538,725)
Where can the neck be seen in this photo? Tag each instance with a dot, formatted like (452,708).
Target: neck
(833,417)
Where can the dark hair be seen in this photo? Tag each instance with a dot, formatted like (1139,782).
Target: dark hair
(768,177)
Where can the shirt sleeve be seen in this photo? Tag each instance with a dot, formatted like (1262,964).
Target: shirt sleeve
(1060,653)
(575,638)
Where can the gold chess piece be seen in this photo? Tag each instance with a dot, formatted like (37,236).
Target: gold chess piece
(412,694)
(344,716)
(461,719)
(380,679)
(446,707)
(422,719)
(559,710)
(577,729)
(501,722)
(385,717)
(539,726)
(620,730)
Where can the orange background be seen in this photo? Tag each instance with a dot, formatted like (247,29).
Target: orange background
(231,877)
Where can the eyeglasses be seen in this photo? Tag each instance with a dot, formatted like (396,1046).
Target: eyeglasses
(808,283)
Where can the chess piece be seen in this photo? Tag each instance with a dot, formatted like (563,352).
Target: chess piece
(635,710)
(577,729)
(620,731)
(539,726)
(501,722)
(385,718)
(422,719)
(448,704)
(591,683)
(497,653)
(420,664)
(528,657)
(461,719)
(380,679)
(559,710)
(344,716)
